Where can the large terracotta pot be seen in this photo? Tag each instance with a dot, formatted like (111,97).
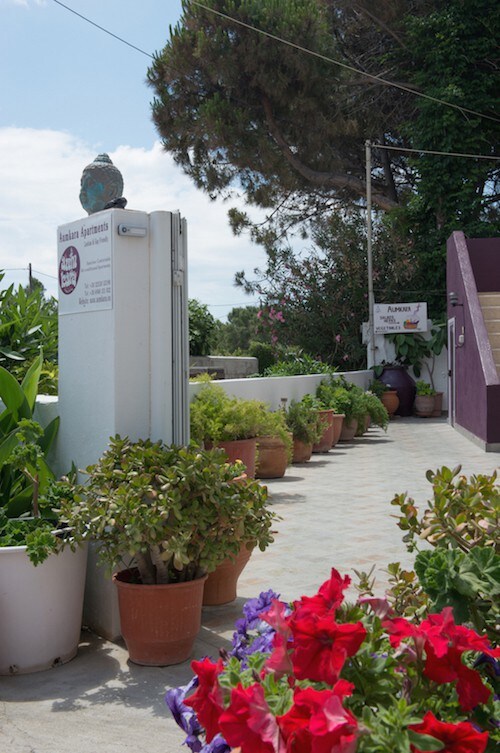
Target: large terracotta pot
(338,422)
(221,585)
(244,450)
(159,623)
(272,458)
(390,401)
(302,451)
(325,443)
(40,609)
(398,379)
(349,429)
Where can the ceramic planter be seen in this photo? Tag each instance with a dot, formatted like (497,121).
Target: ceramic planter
(390,401)
(244,450)
(349,430)
(40,609)
(159,623)
(424,405)
(399,379)
(221,585)
(302,451)
(338,422)
(325,443)
(272,458)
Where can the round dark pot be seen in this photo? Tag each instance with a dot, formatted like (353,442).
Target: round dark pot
(398,379)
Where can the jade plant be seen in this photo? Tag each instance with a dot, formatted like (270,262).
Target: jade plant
(217,417)
(177,511)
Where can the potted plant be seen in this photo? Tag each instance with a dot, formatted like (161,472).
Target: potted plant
(303,421)
(424,399)
(42,568)
(227,422)
(178,513)
(329,436)
(274,444)
(387,396)
(377,411)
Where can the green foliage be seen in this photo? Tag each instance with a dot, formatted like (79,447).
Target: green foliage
(462,523)
(28,323)
(303,422)
(176,510)
(376,411)
(264,353)
(378,388)
(202,328)
(235,335)
(296,363)
(217,417)
(424,388)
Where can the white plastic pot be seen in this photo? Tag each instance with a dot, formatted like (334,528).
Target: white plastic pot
(40,609)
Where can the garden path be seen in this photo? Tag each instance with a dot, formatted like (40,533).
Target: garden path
(335,512)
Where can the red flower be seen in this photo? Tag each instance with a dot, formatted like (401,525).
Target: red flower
(249,723)
(329,597)
(444,643)
(321,646)
(279,661)
(207,701)
(457,738)
(317,723)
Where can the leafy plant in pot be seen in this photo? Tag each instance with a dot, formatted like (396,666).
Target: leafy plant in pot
(274,444)
(178,513)
(42,594)
(424,399)
(303,421)
(387,396)
(227,422)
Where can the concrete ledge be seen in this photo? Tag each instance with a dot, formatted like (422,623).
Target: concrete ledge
(486,446)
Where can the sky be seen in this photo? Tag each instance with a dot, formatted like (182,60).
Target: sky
(68,92)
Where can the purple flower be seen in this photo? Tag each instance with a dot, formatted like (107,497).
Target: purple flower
(253,608)
(184,716)
(217,745)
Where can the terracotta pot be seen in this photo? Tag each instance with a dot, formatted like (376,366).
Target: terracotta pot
(338,422)
(349,429)
(326,442)
(272,458)
(220,586)
(363,426)
(244,450)
(438,404)
(159,623)
(302,451)
(390,401)
(398,379)
(424,405)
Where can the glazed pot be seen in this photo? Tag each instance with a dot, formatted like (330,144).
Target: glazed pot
(325,443)
(272,458)
(398,379)
(244,450)
(221,584)
(302,451)
(159,623)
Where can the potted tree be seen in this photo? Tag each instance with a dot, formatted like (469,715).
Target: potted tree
(274,444)
(178,513)
(42,568)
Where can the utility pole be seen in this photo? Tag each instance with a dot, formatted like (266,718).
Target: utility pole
(30,278)
(371,301)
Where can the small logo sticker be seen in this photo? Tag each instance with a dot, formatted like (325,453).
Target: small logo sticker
(69,270)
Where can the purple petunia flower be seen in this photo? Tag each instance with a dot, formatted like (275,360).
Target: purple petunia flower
(217,745)
(185,717)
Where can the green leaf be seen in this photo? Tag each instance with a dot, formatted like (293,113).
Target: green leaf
(49,434)
(31,379)
(424,742)
(12,395)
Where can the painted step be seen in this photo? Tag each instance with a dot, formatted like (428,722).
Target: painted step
(494,338)
(489,299)
(492,326)
(491,312)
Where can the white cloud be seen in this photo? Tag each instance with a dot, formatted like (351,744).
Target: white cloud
(39,190)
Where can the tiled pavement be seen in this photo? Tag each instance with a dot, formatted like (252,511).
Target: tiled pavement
(335,512)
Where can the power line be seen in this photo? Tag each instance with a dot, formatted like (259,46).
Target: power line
(433,151)
(106,31)
(345,65)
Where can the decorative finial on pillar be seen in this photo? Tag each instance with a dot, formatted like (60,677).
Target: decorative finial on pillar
(101,186)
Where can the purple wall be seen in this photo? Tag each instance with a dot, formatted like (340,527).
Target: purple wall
(473,265)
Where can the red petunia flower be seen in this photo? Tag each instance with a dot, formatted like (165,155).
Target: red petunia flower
(317,723)
(207,701)
(457,738)
(444,643)
(329,597)
(249,723)
(321,646)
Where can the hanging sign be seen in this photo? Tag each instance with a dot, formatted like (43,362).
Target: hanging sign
(84,265)
(399,317)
